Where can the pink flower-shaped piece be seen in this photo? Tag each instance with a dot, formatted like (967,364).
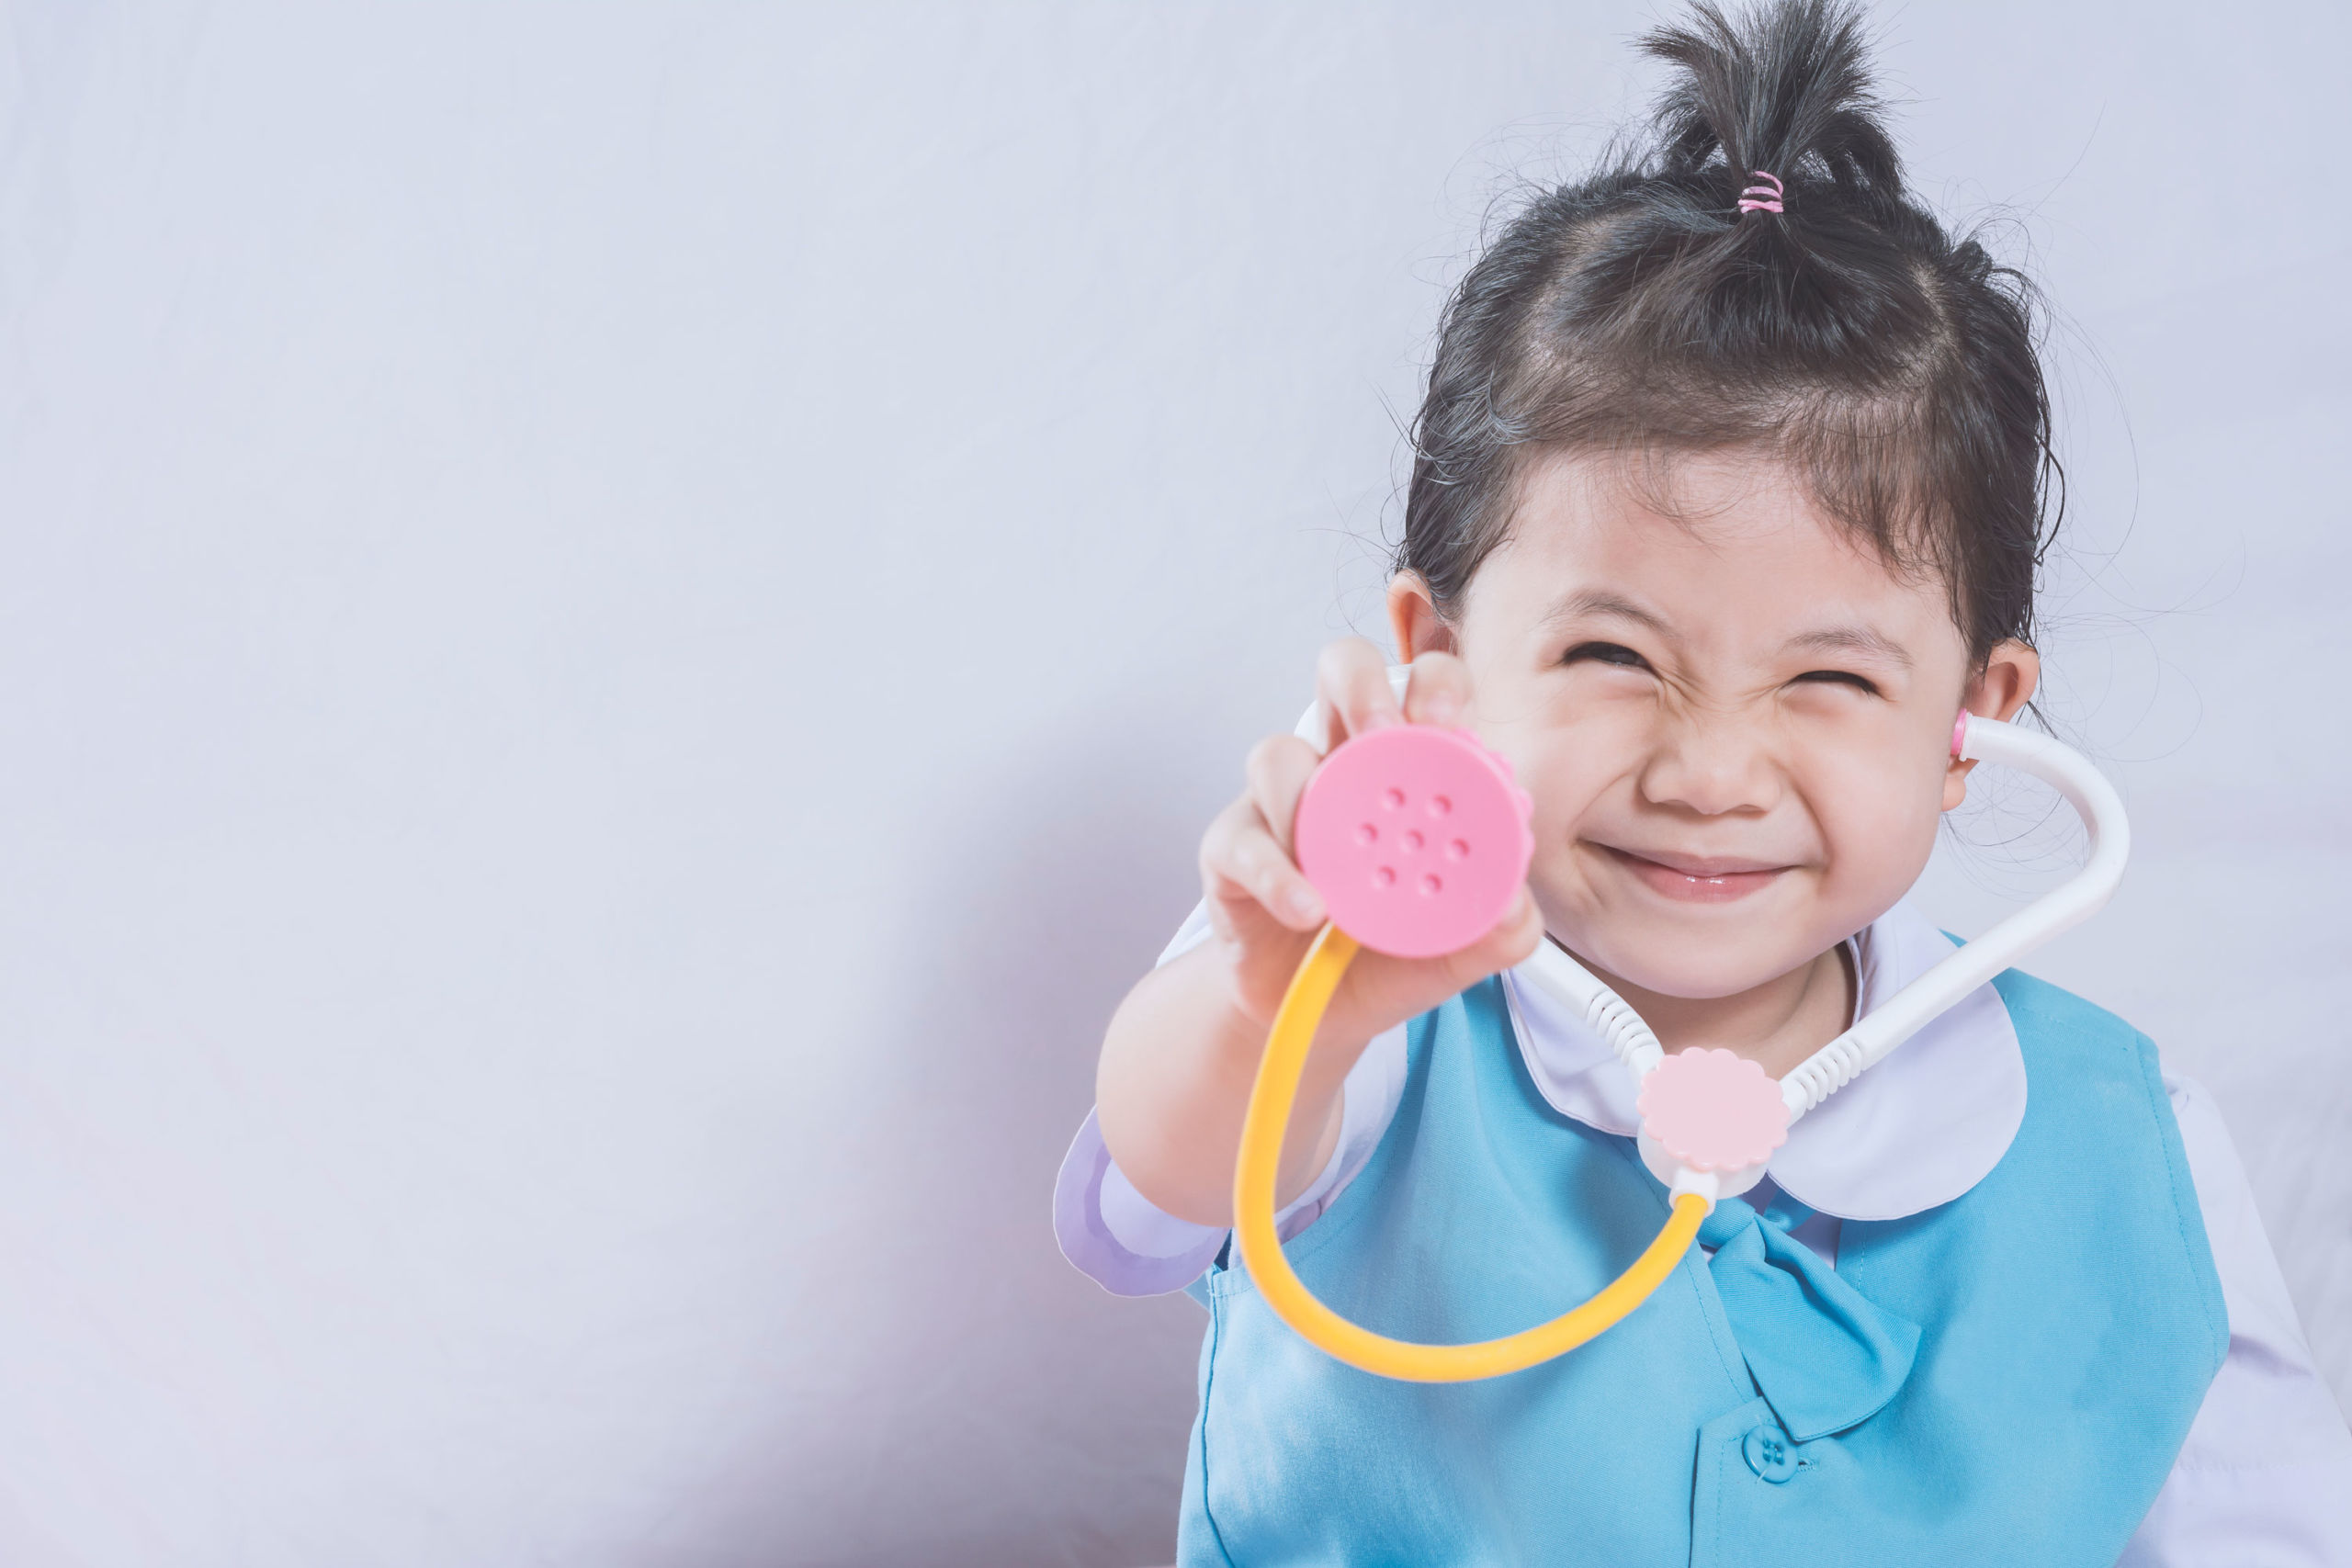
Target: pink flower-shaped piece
(1714,1110)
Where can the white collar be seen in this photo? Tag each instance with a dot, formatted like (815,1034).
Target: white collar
(1919,1128)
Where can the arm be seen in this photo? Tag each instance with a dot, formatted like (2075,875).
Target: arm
(2265,1480)
(1115,1238)
(1176,1070)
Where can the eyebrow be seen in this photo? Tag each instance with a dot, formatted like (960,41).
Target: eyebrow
(1602,602)
(1866,641)
(1863,641)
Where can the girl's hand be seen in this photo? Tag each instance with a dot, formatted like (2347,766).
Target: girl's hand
(1264,910)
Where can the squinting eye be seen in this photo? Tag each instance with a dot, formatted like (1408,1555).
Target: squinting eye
(1839,678)
(1607,653)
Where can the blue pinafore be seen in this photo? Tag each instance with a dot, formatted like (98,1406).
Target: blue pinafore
(2003,1379)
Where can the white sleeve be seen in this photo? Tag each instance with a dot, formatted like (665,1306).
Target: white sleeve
(2265,1480)
(1131,1247)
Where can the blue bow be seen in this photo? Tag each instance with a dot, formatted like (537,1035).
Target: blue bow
(1824,1357)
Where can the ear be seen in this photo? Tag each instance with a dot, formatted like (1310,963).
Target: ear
(2011,672)
(1413,619)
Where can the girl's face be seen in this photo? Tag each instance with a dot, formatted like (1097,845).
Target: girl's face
(1735,722)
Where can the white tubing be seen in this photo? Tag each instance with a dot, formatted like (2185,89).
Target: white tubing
(1602,1011)
(1866,1045)
(2082,895)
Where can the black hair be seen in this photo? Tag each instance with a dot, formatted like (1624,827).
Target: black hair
(1642,311)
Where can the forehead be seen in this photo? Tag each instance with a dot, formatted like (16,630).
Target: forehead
(1727,548)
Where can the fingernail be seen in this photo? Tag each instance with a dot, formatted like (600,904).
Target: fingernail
(1444,711)
(1306,904)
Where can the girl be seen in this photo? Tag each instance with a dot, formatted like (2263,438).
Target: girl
(1728,494)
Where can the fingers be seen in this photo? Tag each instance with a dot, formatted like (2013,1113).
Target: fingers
(1439,693)
(1278,769)
(1351,677)
(1241,860)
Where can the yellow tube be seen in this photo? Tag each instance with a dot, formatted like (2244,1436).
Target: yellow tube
(1271,1100)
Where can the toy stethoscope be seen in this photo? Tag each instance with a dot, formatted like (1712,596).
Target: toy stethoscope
(1418,839)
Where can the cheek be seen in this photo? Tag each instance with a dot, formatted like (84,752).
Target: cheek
(1877,815)
(1565,767)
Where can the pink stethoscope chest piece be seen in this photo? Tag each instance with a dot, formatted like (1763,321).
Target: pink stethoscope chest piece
(1416,837)
(1714,1110)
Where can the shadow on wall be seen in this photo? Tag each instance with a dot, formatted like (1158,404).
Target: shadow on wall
(1008,1410)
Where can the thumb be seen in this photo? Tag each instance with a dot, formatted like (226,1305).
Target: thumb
(1524,929)
(1507,944)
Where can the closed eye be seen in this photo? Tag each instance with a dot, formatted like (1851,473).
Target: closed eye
(1841,678)
(1614,653)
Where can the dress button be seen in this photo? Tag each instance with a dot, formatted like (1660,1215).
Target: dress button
(1769,1453)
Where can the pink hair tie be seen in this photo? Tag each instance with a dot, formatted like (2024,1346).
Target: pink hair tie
(1766,199)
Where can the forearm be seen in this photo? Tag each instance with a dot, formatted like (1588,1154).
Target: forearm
(1173,1086)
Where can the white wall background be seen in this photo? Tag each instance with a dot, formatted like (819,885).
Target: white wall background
(616,623)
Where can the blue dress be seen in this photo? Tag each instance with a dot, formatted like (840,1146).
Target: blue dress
(2002,1379)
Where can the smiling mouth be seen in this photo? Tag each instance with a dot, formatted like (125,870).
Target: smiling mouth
(1692,880)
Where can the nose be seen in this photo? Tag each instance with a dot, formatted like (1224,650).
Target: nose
(1712,765)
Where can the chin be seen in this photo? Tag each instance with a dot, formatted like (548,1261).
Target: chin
(1702,979)
(1697,961)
